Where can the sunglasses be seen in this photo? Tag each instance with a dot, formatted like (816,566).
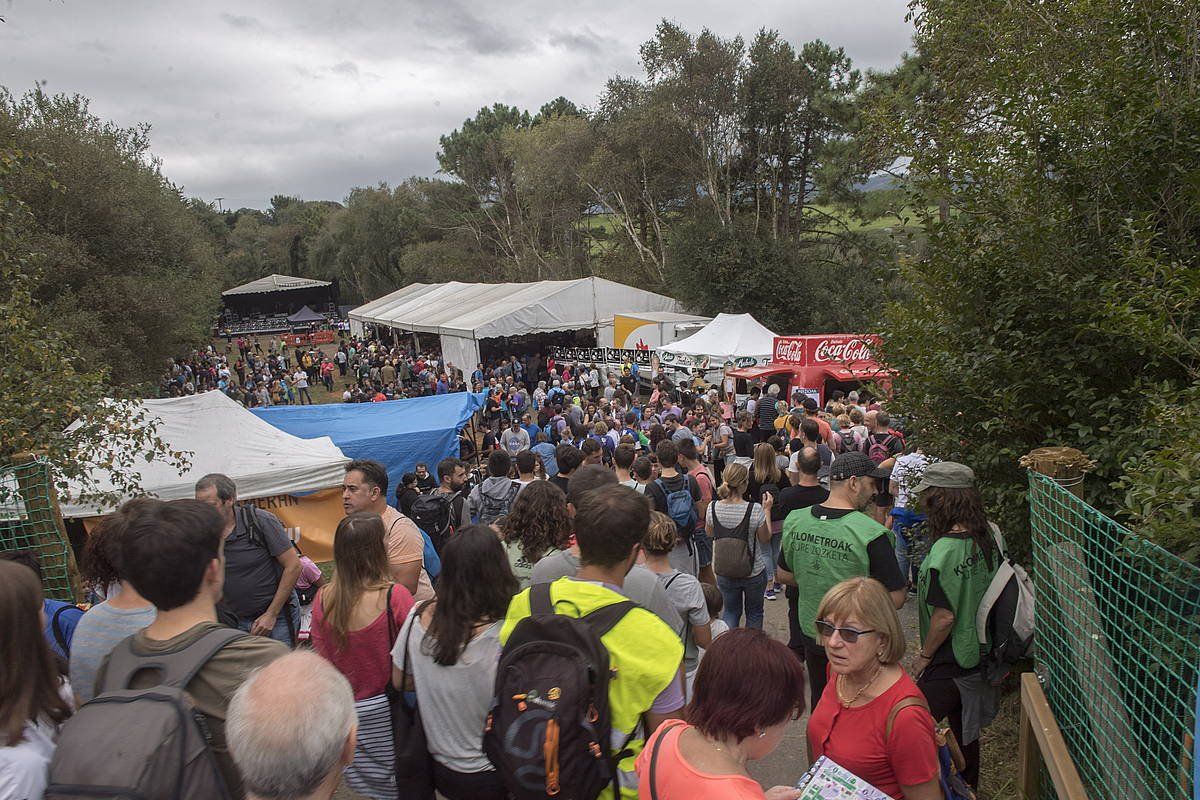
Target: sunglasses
(849,635)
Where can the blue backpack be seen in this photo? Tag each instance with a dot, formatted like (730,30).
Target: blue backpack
(681,507)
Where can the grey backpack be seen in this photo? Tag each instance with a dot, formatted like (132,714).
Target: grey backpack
(496,507)
(142,743)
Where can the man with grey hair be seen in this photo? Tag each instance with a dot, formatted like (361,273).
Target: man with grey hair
(261,566)
(290,744)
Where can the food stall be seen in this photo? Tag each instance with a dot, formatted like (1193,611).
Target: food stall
(815,366)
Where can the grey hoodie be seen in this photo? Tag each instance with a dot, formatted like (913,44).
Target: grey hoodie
(497,488)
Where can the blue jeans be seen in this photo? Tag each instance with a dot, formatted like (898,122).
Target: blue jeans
(902,552)
(281,632)
(743,593)
(776,543)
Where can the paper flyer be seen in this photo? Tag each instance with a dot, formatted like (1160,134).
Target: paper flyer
(827,780)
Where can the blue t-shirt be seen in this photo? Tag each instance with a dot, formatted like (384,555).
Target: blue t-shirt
(67,621)
(546,451)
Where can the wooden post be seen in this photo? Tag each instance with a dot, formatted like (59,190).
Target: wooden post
(1039,726)
(1065,465)
(29,489)
(1029,758)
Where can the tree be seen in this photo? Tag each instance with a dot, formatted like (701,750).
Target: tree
(48,384)
(787,289)
(1059,141)
(129,275)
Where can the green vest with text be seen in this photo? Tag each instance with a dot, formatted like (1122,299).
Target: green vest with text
(964,575)
(824,552)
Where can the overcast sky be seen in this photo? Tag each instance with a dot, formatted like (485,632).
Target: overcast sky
(248,100)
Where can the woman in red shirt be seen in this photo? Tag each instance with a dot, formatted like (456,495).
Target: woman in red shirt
(853,723)
(355,622)
(731,720)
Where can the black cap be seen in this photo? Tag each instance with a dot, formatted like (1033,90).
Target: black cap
(855,465)
(810,404)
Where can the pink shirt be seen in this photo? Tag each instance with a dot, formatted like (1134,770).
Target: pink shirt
(366,658)
(676,779)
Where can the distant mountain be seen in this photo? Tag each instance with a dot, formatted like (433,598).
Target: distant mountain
(876,182)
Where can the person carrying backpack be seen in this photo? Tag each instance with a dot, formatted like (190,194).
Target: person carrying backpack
(147,688)
(493,498)
(883,446)
(677,495)
(261,566)
(963,559)
(441,512)
(613,667)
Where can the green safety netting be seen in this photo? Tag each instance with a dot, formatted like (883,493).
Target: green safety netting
(1118,645)
(28,522)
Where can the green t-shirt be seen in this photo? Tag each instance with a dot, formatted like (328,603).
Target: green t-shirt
(963,574)
(823,547)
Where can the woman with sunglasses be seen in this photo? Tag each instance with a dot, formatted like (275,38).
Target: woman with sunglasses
(729,722)
(871,718)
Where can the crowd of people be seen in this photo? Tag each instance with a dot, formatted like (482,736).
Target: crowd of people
(630,540)
(359,370)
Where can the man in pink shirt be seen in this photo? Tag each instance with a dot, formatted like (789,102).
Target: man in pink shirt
(365,489)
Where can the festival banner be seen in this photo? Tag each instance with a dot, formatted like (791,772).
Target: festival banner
(600,356)
(310,520)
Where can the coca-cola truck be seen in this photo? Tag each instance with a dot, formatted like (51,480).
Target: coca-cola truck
(815,366)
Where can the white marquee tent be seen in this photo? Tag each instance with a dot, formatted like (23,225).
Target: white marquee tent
(463,313)
(728,337)
(222,436)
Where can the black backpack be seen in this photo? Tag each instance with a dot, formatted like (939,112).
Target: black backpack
(148,743)
(549,728)
(432,511)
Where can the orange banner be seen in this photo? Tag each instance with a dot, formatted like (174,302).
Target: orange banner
(310,520)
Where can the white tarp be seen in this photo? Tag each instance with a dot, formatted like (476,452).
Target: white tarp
(464,313)
(483,310)
(222,436)
(727,338)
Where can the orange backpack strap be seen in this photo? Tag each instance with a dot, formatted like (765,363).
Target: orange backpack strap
(906,702)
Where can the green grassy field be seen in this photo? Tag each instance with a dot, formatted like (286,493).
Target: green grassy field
(606,228)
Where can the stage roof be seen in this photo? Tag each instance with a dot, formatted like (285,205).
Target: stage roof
(275,283)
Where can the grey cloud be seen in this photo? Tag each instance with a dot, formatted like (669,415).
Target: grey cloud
(474,33)
(242,22)
(330,96)
(585,40)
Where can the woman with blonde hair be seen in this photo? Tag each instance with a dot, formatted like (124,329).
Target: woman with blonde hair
(871,718)
(766,478)
(741,534)
(356,619)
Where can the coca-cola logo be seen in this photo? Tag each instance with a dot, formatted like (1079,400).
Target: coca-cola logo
(848,351)
(789,351)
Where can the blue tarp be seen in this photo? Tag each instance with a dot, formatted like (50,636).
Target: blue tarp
(397,433)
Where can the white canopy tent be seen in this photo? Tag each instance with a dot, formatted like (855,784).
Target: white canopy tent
(728,338)
(463,313)
(222,436)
